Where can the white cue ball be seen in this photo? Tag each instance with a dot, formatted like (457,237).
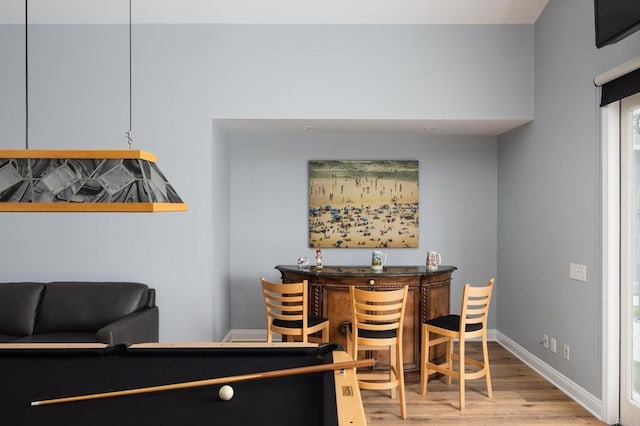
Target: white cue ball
(225,393)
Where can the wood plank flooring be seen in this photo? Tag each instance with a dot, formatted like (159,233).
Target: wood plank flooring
(520,397)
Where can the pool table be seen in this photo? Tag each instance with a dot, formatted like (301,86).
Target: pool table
(34,372)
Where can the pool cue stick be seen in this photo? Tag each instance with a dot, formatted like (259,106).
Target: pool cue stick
(208,382)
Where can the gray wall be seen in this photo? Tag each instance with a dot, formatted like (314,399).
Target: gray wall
(549,197)
(79,99)
(269,181)
(186,75)
(371,71)
(221,302)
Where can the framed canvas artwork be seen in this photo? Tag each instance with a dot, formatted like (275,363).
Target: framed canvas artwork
(363,203)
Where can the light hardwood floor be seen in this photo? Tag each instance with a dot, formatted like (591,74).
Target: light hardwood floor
(520,397)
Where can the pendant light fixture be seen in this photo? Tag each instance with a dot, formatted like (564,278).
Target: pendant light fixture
(83,180)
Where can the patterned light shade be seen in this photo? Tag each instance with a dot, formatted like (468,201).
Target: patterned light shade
(84,181)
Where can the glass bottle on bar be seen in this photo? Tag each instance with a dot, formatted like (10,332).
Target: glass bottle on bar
(318,259)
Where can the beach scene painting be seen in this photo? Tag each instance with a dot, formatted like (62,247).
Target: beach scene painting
(361,203)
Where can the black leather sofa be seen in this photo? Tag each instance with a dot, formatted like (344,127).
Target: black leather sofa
(78,312)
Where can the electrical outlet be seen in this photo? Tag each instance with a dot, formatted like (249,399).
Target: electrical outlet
(578,271)
(545,341)
(565,352)
(553,345)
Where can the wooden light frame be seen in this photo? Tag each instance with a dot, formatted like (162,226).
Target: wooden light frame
(88,206)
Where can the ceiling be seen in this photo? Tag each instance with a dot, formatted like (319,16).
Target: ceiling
(416,127)
(276,11)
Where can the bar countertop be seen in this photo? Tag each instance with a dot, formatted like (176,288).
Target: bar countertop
(360,271)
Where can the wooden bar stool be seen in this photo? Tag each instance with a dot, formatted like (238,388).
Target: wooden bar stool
(377,325)
(472,322)
(287,312)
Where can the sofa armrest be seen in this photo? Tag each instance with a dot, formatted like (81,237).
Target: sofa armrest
(138,327)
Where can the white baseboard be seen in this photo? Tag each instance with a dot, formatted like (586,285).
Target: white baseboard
(573,390)
(491,334)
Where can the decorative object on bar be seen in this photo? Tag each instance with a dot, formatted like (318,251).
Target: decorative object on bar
(378,260)
(83,180)
(318,259)
(434,259)
(303,263)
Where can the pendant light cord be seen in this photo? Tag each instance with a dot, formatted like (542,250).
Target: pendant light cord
(130,131)
(26,74)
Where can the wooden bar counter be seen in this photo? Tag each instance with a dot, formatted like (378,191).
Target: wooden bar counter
(329,297)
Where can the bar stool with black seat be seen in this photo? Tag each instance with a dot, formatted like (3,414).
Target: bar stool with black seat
(378,318)
(471,323)
(287,312)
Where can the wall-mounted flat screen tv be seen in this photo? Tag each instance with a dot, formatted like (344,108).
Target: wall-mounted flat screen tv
(615,20)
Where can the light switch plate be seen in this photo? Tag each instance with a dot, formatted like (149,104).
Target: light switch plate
(578,271)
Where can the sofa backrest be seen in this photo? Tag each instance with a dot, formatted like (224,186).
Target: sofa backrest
(88,306)
(18,307)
